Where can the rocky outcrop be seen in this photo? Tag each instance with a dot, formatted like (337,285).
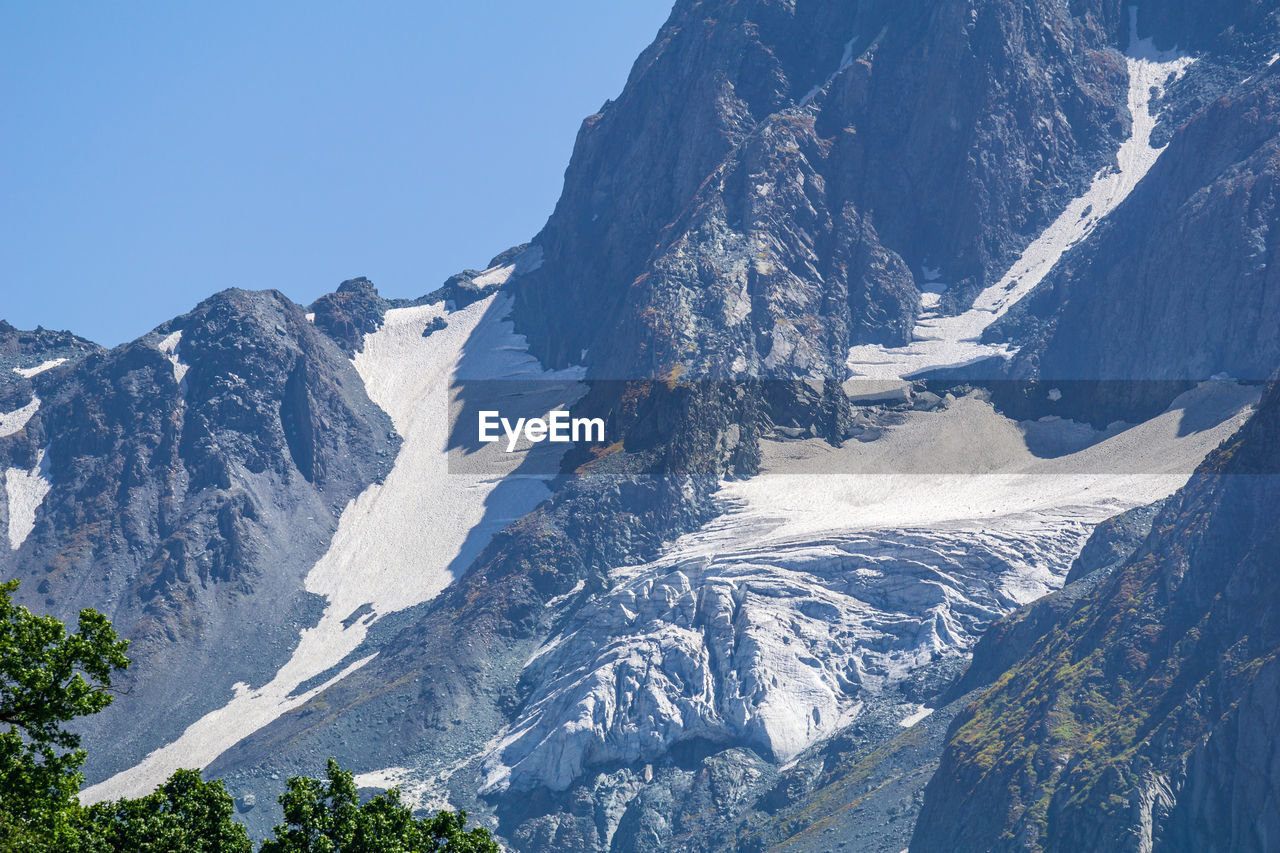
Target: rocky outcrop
(764,193)
(777,183)
(190,479)
(1142,717)
(23,352)
(348,314)
(819,155)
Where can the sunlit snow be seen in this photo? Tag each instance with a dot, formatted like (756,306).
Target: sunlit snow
(25,491)
(28,372)
(11,422)
(169,346)
(835,573)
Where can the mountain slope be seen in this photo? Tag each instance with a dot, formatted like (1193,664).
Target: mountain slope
(190,479)
(833,274)
(1196,240)
(1142,715)
(495,704)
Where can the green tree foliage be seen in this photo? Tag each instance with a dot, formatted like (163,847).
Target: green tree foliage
(184,815)
(47,678)
(327,817)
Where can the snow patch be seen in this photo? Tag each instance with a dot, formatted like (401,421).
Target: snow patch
(910,720)
(955,341)
(932,290)
(11,422)
(527,261)
(561,599)
(421,793)
(384,554)
(169,346)
(28,372)
(25,491)
(416,793)
(494,275)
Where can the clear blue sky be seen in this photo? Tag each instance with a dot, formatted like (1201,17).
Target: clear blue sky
(153,153)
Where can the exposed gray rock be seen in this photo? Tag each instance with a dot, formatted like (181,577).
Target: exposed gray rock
(194,476)
(1178,285)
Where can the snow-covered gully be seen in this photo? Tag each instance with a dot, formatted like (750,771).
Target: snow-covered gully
(956,340)
(385,556)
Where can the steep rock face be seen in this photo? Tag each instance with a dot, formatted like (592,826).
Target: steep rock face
(183,482)
(818,153)
(1144,716)
(1002,646)
(1209,25)
(348,314)
(696,92)
(767,191)
(27,358)
(1178,284)
(25,353)
(1207,216)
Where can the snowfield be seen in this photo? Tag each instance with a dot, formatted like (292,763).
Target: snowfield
(834,574)
(11,422)
(25,491)
(28,372)
(400,542)
(169,346)
(941,341)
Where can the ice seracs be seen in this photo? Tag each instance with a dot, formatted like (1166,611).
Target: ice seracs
(832,576)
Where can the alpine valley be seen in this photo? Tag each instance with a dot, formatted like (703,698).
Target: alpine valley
(939,502)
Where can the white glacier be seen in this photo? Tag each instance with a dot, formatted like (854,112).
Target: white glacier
(832,575)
